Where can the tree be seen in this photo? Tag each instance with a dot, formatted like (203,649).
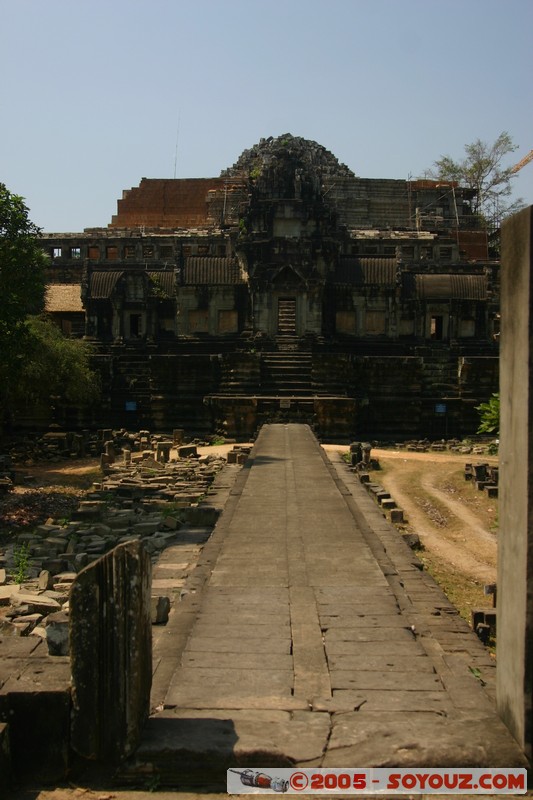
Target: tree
(490,415)
(22,263)
(483,171)
(55,366)
(22,285)
(36,360)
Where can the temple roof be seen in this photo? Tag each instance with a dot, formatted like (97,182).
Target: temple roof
(366,271)
(64,297)
(307,154)
(212,271)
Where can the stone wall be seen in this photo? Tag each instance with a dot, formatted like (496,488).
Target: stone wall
(515,547)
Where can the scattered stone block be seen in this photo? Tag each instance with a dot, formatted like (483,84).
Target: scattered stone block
(178,435)
(388,503)
(7,628)
(46,580)
(201,515)
(3,576)
(396,516)
(160,608)
(187,451)
(5,594)
(163,452)
(57,634)
(382,496)
(36,603)
(33,619)
(171,523)
(81,560)
(412,539)
(22,626)
(65,577)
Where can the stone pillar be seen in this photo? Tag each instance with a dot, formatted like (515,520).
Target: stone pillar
(162,453)
(111,653)
(514,674)
(178,435)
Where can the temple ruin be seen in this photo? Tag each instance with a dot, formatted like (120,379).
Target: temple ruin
(287,288)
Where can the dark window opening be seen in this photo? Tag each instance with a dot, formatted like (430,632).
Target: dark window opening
(129,251)
(56,252)
(135,325)
(75,252)
(111,253)
(148,251)
(166,251)
(93,252)
(203,250)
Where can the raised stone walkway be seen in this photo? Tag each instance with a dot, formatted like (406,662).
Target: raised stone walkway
(308,634)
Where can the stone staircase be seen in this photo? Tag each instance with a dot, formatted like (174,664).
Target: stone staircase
(286,373)
(287,317)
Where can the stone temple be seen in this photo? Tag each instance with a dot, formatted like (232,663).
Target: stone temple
(287,288)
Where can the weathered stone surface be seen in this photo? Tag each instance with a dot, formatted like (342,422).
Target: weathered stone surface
(36,603)
(57,634)
(46,580)
(515,549)
(187,451)
(111,653)
(160,607)
(37,705)
(420,740)
(5,760)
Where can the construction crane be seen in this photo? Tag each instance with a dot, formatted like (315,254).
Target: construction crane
(523,162)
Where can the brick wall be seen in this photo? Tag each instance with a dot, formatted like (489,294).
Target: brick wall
(165,203)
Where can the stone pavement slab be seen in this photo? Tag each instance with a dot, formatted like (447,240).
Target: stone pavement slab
(309,634)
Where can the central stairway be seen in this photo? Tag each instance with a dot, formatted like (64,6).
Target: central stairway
(287,317)
(286,373)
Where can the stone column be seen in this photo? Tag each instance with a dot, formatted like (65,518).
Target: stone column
(111,653)
(515,541)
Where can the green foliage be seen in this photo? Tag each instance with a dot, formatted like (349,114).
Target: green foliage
(54,366)
(157,289)
(22,284)
(256,171)
(490,415)
(36,360)
(483,170)
(21,557)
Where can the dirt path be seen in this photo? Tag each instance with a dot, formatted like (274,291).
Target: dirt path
(455,522)
(462,531)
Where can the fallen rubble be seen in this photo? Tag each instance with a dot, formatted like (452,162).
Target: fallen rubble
(151,495)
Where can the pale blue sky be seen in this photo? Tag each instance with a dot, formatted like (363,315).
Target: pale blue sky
(91,91)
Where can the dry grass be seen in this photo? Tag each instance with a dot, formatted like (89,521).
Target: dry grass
(456,523)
